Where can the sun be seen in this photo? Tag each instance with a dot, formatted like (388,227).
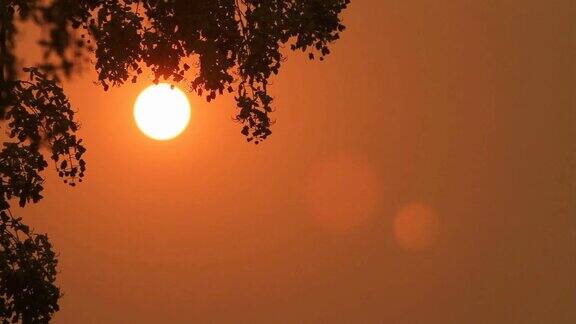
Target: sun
(162,112)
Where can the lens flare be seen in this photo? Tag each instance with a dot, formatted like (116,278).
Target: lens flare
(416,226)
(342,192)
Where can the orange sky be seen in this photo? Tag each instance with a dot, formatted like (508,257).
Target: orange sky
(425,172)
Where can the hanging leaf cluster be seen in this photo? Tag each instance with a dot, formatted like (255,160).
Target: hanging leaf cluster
(37,118)
(27,274)
(216,46)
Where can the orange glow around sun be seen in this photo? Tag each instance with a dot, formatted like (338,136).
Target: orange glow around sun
(162,113)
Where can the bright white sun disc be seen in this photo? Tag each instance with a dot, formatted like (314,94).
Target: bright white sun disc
(161,112)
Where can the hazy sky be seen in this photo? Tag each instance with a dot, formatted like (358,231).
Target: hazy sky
(424,173)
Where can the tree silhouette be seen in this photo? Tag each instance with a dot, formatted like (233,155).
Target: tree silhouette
(215,46)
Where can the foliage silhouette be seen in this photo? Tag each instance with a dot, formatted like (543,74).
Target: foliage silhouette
(213,45)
